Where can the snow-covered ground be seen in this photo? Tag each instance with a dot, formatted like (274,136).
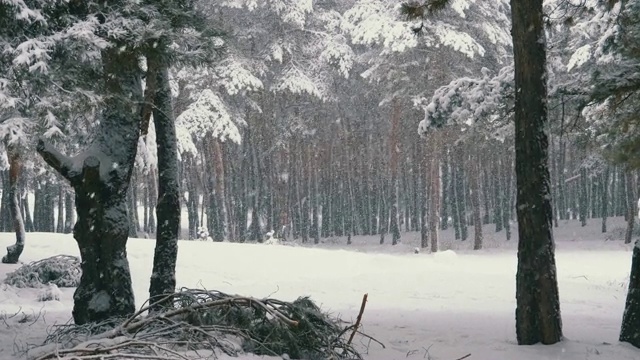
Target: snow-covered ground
(440,306)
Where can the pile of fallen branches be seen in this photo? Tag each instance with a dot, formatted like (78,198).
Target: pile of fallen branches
(61,270)
(201,324)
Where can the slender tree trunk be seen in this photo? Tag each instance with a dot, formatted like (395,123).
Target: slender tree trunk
(223,213)
(105,289)
(5,207)
(537,301)
(133,228)
(605,198)
(15,168)
(435,194)
(631,205)
(446,190)
(394,145)
(27,214)
(583,202)
(70,212)
(60,221)
(163,276)
(475,200)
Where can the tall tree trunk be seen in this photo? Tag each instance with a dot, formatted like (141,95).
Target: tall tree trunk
(475,201)
(15,167)
(27,214)
(60,221)
(446,190)
(105,289)
(434,222)
(631,205)
(605,198)
(192,201)
(132,209)
(70,212)
(631,317)
(538,305)
(394,145)
(5,207)
(583,199)
(152,180)
(163,276)
(223,213)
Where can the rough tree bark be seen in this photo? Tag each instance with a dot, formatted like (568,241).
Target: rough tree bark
(538,305)
(163,276)
(100,176)
(15,166)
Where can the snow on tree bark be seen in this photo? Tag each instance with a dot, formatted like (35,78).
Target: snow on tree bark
(100,177)
(15,167)
(163,277)
(538,305)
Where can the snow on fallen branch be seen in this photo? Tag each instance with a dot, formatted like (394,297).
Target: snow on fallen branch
(61,270)
(204,323)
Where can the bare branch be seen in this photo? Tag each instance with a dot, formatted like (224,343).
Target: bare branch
(58,161)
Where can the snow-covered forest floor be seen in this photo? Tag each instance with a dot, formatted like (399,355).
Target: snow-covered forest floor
(435,306)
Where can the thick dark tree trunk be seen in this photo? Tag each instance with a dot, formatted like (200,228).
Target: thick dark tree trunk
(538,305)
(163,276)
(100,176)
(631,317)
(15,167)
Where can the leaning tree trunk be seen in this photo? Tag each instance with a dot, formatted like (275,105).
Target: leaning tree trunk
(100,177)
(15,166)
(538,305)
(163,276)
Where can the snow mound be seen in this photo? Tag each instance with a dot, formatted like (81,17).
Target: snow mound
(60,270)
(445,255)
(50,293)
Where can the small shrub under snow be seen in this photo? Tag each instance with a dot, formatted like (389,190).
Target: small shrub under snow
(60,270)
(50,293)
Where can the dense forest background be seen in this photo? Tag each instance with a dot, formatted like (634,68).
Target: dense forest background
(308,125)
